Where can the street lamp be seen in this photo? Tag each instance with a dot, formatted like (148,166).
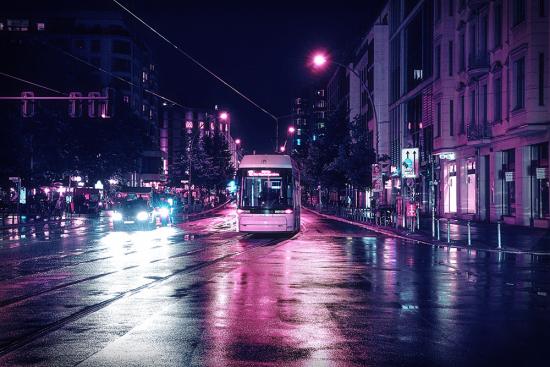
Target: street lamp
(291,130)
(282,149)
(238,141)
(320,59)
(224,116)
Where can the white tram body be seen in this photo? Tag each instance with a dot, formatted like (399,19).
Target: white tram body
(268,198)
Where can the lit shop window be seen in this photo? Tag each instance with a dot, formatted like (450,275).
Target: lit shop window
(40,26)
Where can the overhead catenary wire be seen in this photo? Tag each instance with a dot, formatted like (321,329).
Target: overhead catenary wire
(195,61)
(32,83)
(112,75)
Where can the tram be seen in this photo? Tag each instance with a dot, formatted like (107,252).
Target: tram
(268,194)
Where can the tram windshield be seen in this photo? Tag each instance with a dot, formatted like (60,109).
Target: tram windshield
(266,189)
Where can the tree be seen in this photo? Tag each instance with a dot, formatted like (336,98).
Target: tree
(217,149)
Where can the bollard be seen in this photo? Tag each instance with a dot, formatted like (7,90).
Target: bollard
(498,235)
(385,221)
(448,230)
(433,222)
(438,233)
(417,218)
(469,234)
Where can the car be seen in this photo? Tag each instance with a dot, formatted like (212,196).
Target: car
(133,214)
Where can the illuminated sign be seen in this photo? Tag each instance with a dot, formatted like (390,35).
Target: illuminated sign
(188,124)
(409,162)
(263,173)
(377,185)
(447,155)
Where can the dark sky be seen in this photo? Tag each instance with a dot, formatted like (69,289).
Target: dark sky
(259,47)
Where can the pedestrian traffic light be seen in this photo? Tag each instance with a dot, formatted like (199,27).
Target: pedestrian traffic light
(107,107)
(27,104)
(92,104)
(75,105)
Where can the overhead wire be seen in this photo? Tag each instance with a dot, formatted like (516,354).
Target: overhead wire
(195,61)
(32,83)
(129,82)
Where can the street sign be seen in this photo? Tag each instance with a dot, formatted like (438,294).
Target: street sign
(15,179)
(23,195)
(509,176)
(409,162)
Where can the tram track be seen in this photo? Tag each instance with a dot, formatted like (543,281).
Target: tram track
(87,310)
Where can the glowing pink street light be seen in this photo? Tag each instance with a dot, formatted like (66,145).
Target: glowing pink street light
(282,149)
(238,141)
(224,115)
(319,60)
(291,129)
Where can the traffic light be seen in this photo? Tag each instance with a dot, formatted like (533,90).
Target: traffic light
(27,104)
(75,105)
(107,107)
(93,104)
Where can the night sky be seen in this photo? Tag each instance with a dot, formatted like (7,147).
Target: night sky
(261,48)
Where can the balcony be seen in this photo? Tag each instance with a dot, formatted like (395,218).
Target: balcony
(478,64)
(479,134)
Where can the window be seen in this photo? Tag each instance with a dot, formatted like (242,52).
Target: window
(144,76)
(461,4)
(472,108)
(484,104)
(451,58)
(438,119)
(40,26)
(120,65)
(437,6)
(542,9)
(1,26)
(96,46)
(483,28)
(451,118)
(519,83)
(462,115)
(539,181)
(498,99)
(518,11)
(498,25)
(462,56)
(541,79)
(18,25)
(121,47)
(126,99)
(451,8)
(508,182)
(437,61)
(472,50)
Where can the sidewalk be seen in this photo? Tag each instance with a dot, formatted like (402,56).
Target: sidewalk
(515,239)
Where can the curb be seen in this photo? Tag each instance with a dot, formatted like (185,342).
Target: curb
(391,233)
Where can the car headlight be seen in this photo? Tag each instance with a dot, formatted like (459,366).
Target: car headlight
(117,216)
(142,216)
(164,212)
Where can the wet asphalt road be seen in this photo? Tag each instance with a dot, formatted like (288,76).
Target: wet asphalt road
(200,294)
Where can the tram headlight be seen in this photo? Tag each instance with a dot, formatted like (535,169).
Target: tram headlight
(142,216)
(117,216)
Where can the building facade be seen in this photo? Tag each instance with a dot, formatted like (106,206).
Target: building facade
(84,53)
(410,99)
(178,125)
(491,110)
(309,115)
